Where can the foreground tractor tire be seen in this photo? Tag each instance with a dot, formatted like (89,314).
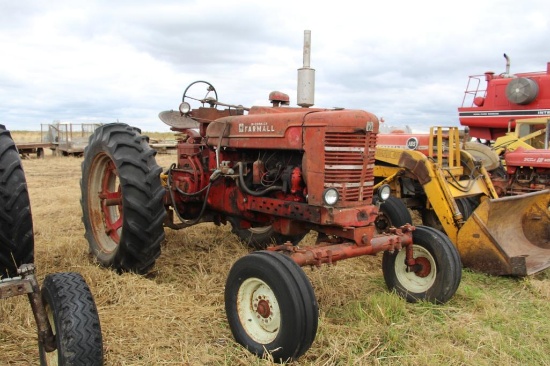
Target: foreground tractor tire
(122,199)
(259,238)
(393,212)
(440,270)
(270,306)
(74,320)
(16,232)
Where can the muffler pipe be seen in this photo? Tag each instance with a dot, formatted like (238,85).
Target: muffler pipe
(306,76)
(507,72)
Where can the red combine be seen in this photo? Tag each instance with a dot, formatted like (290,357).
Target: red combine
(487,111)
(511,113)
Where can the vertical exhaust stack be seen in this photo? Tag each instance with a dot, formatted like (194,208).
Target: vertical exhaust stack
(507,72)
(306,76)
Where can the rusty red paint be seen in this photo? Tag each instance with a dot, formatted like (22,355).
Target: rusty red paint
(423,265)
(263,308)
(327,252)
(112,221)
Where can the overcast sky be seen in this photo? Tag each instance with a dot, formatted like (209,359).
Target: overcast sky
(405,61)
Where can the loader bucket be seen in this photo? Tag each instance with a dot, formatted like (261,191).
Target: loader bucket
(508,235)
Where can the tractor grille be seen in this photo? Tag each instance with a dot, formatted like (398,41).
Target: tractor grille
(349,164)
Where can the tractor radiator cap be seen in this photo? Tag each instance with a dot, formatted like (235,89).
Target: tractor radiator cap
(175,119)
(522,90)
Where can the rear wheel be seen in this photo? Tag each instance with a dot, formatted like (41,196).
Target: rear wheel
(437,273)
(270,306)
(16,232)
(259,238)
(393,212)
(72,314)
(122,199)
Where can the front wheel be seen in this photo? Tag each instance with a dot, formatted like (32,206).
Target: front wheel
(72,314)
(270,306)
(437,273)
(122,199)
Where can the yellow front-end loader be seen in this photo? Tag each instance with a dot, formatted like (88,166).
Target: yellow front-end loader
(452,191)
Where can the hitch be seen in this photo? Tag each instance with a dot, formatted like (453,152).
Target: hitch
(26,283)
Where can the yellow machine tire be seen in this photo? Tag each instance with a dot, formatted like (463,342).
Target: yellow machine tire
(393,212)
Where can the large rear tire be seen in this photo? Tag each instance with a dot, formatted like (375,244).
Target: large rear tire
(270,306)
(16,232)
(439,268)
(73,316)
(122,199)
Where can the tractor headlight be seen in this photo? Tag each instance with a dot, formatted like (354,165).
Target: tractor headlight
(384,192)
(185,107)
(330,196)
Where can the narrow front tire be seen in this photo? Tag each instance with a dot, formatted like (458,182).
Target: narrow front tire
(74,320)
(438,270)
(270,306)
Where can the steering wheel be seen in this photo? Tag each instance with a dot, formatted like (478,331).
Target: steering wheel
(206,99)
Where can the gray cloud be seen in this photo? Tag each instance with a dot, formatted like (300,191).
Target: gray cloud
(128,60)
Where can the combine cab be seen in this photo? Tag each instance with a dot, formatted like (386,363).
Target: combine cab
(432,173)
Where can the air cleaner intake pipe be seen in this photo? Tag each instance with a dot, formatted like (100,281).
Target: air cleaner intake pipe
(306,76)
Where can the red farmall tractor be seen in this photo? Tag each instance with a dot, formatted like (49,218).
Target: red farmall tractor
(275,173)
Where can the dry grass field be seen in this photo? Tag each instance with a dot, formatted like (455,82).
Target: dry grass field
(175,315)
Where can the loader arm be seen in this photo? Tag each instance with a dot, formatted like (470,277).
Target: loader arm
(439,193)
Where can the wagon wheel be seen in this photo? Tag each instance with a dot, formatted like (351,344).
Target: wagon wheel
(261,237)
(270,306)
(73,317)
(439,270)
(16,232)
(122,199)
(393,212)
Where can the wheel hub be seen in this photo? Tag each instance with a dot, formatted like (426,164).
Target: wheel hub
(422,268)
(262,307)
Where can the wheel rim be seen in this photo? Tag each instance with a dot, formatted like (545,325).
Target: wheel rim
(421,280)
(258,311)
(382,222)
(52,358)
(105,203)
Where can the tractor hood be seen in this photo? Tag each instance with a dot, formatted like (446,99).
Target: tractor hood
(282,127)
